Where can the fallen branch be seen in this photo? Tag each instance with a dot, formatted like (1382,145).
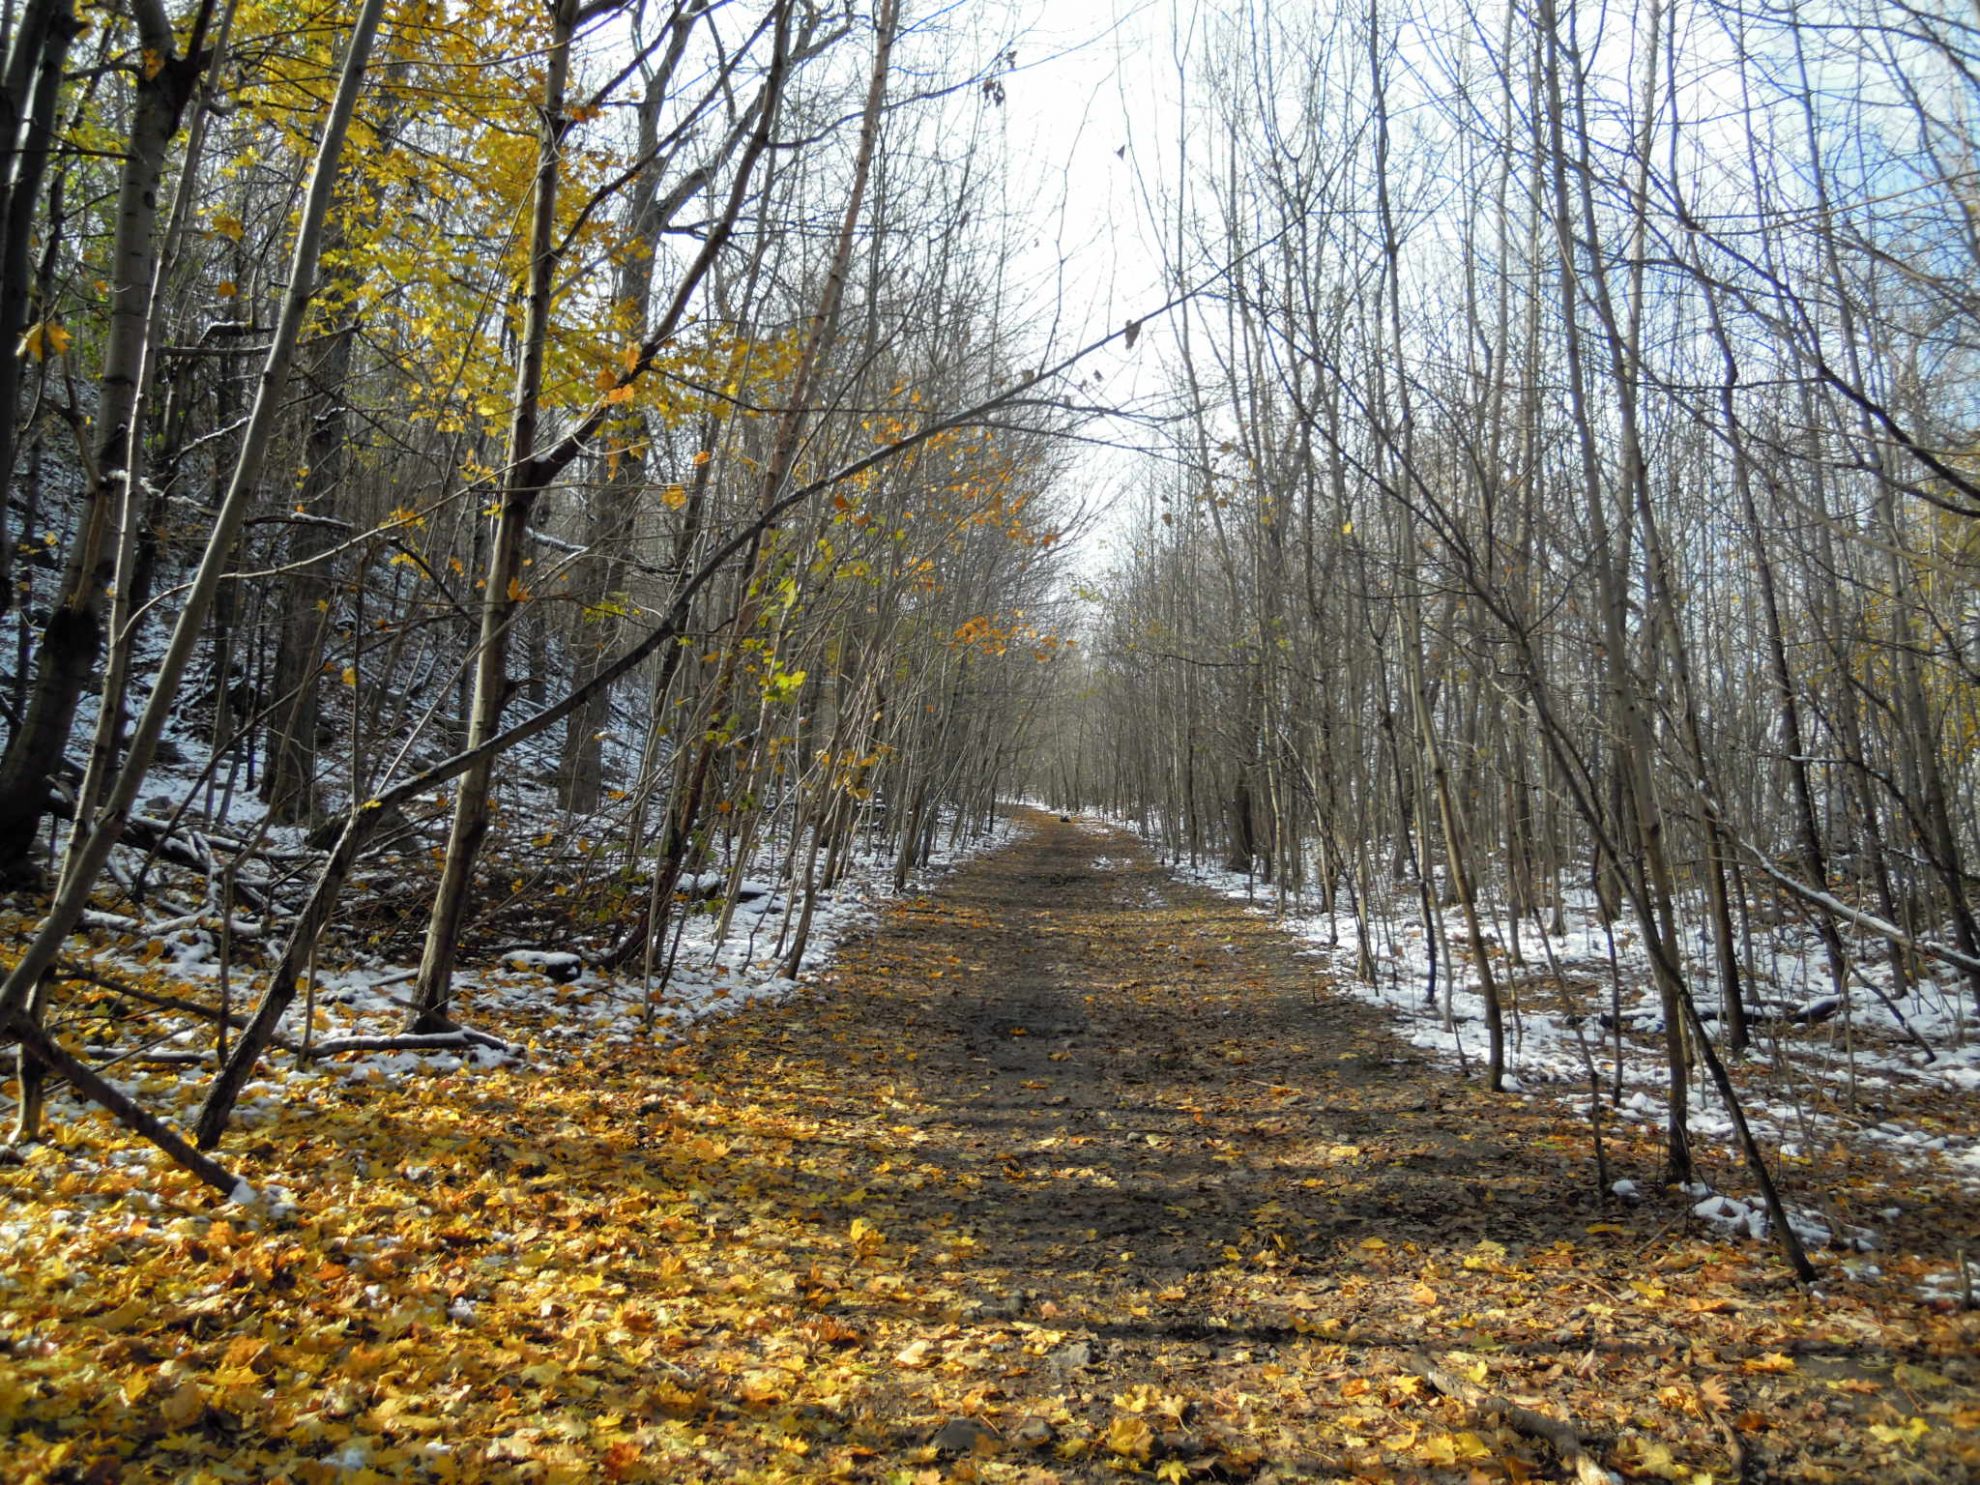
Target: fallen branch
(434,1041)
(100,1091)
(152,1057)
(1829,903)
(235,1019)
(1563,1438)
(165,840)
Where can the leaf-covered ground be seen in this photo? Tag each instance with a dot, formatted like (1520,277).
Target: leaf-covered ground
(1067,1172)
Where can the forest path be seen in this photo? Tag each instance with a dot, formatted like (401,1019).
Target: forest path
(1064,1171)
(1101,1177)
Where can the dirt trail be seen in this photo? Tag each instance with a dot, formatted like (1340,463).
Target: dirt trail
(1132,1056)
(1107,1180)
(1063,1172)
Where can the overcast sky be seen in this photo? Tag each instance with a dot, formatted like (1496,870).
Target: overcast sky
(1090,110)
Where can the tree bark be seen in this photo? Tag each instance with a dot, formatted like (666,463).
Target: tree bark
(73,636)
(87,860)
(37,51)
(503,594)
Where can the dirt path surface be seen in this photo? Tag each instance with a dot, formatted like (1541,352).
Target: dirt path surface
(1063,1172)
(1105,1181)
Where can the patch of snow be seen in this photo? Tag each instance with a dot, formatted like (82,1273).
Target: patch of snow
(1565,1022)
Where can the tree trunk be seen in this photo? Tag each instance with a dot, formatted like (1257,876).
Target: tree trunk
(503,593)
(39,47)
(73,637)
(92,840)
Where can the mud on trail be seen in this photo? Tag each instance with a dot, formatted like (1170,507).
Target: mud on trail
(1100,1178)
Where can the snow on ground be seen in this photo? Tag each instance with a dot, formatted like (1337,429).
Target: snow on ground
(573,1005)
(1554,1035)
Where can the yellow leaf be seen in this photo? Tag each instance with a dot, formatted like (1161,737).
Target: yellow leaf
(154,63)
(517,592)
(182,1406)
(228,289)
(350,676)
(1439,1448)
(125,1315)
(674,497)
(1917,1377)
(1130,1436)
(1656,1459)
(1905,1434)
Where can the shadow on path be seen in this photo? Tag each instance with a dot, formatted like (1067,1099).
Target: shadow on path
(1125,1187)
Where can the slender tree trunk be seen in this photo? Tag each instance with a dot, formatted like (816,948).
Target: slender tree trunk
(36,54)
(1432,760)
(503,594)
(72,639)
(1635,748)
(90,850)
(580,768)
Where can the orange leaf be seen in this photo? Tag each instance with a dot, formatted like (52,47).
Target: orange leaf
(1773,1361)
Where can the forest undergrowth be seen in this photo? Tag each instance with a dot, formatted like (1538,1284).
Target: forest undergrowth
(1067,1170)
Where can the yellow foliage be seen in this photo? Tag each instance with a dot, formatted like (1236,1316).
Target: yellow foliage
(42,339)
